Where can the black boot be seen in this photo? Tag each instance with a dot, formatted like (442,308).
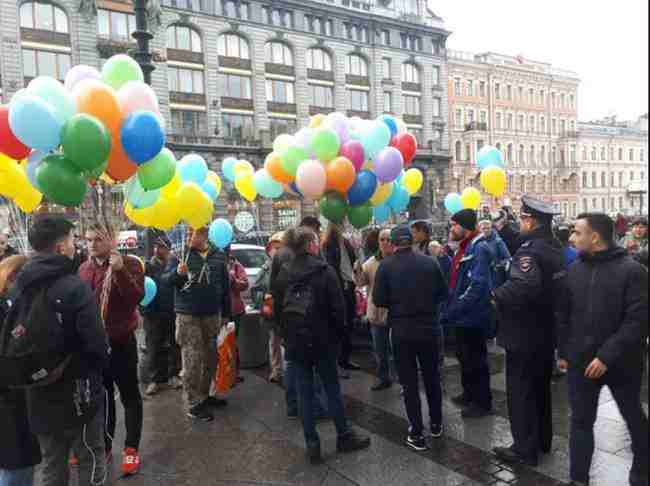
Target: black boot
(352,441)
(314,455)
(509,454)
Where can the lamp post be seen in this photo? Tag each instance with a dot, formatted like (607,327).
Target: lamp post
(143,54)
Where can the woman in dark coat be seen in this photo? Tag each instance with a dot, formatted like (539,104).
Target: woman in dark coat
(19,449)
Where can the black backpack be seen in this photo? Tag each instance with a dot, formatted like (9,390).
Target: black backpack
(32,340)
(296,311)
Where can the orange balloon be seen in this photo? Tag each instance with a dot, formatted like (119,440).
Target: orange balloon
(120,167)
(99,100)
(340,175)
(273,166)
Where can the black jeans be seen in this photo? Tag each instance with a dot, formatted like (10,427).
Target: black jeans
(163,355)
(350,296)
(471,345)
(583,395)
(407,356)
(123,372)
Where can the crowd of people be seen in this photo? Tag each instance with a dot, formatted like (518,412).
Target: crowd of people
(568,299)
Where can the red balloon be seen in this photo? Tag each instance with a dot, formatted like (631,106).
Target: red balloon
(407,145)
(9,144)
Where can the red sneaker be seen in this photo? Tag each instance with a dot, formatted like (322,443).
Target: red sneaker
(130,461)
(73,461)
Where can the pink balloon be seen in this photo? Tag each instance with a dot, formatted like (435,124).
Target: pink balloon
(353,151)
(136,96)
(311,179)
(79,73)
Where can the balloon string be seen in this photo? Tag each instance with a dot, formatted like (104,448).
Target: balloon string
(106,289)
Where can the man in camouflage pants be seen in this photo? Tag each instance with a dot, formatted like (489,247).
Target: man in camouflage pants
(202,299)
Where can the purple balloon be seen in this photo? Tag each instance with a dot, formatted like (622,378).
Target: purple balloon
(79,73)
(353,151)
(340,124)
(388,164)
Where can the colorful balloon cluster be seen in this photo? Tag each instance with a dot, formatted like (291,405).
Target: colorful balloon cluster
(493,180)
(354,167)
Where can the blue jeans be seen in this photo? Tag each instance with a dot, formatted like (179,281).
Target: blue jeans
(381,345)
(325,366)
(291,384)
(17,477)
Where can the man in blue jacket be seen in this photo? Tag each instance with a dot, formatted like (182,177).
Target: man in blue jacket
(469,312)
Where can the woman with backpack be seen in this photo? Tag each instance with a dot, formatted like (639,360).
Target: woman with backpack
(19,449)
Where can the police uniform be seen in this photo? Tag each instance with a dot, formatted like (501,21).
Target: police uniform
(526,305)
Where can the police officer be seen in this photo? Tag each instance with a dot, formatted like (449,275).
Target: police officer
(526,305)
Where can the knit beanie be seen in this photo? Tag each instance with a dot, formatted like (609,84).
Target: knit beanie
(467,218)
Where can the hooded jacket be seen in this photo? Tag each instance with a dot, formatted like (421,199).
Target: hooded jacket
(606,313)
(73,400)
(328,310)
(163,302)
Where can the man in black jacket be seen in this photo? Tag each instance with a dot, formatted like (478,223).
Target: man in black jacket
(309,304)
(603,329)
(68,415)
(411,286)
(526,304)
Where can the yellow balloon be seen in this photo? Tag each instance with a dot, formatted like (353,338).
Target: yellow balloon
(166,214)
(107,179)
(201,219)
(382,193)
(216,180)
(316,120)
(246,188)
(243,168)
(5,161)
(494,181)
(12,180)
(172,186)
(141,217)
(471,198)
(189,199)
(413,180)
(28,200)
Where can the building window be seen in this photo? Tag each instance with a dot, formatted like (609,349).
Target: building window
(542,97)
(631,155)
(356,66)
(470,116)
(235,9)
(278,53)
(183,38)
(509,93)
(594,180)
(386,68)
(357,33)
(186,121)
(410,73)
(562,127)
(532,154)
(436,75)
(520,93)
(497,91)
(43,16)
(603,179)
(483,118)
(232,45)
(509,122)
(499,121)
(385,37)
(572,100)
(411,42)
(417,133)
(185,80)
(574,156)
(119,25)
(554,126)
(468,152)
(621,177)
(279,91)
(278,17)
(584,180)
(358,100)
(470,88)
(437,107)
(562,100)
(531,124)
(280,126)
(459,151)
(482,90)
(238,87)
(510,153)
(388,102)
(459,119)
(542,155)
(522,155)
(631,175)
(319,59)
(45,63)
(642,155)
(457,89)
(620,203)
(321,96)
(412,105)
(520,123)
(603,153)
(542,125)
(239,127)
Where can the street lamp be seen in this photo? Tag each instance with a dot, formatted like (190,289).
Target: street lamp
(143,54)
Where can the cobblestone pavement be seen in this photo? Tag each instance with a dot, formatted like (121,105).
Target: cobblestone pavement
(252,443)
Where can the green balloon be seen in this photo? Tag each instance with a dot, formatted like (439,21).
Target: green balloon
(121,69)
(138,196)
(86,142)
(157,172)
(360,216)
(96,173)
(291,159)
(333,207)
(60,181)
(325,144)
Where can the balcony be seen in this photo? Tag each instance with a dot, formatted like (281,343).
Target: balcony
(187,98)
(317,110)
(44,37)
(185,56)
(357,80)
(412,119)
(476,126)
(235,63)
(279,69)
(319,75)
(365,115)
(110,47)
(412,87)
(275,107)
(237,103)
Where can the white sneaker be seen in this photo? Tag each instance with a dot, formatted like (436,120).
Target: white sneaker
(175,383)
(152,389)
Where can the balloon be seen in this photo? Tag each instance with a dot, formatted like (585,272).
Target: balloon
(246,187)
(382,193)
(282,143)
(215,179)
(401,126)
(137,96)
(291,158)
(228,168)
(34,161)
(316,121)
(303,139)
(333,207)
(273,165)
(202,217)
(28,200)
(35,123)
(399,199)
(340,124)
(388,164)
(311,179)
(60,182)
(188,198)
(220,233)
(159,171)
(193,168)
(376,139)
(121,69)
(325,144)
(353,151)
(363,188)
(97,172)
(86,142)
(142,136)
(293,190)
(243,168)
(390,123)
(10,178)
(360,216)
(407,144)
(489,156)
(138,196)
(169,190)
(453,203)
(381,214)
(413,180)
(494,180)
(340,175)
(150,291)
(54,94)
(165,214)
(95,98)
(266,186)
(141,217)
(79,73)
(9,144)
(210,189)
(471,198)
(120,167)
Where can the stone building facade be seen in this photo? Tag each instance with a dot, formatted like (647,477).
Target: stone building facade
(231,75)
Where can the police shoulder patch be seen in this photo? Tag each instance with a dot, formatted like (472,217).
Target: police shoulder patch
(525,263)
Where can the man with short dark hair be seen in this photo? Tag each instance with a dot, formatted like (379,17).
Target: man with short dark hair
(67,415)
(421,232)
(636,243)
(603,328)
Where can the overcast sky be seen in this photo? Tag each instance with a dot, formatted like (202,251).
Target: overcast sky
(605,42)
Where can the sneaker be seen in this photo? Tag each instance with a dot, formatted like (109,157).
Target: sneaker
(276,380)
(153,389)
(461,400)
(200,412)
(215,402)
(381,385)
(314,455)
(175,383)
(73,461)
(416,442)
(130,461)
(475,412)
(352,441)
(292,414)
(436,431)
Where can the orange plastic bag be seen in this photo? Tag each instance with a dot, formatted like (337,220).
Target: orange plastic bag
(227,367)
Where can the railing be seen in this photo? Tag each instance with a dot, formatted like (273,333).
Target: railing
(480,126)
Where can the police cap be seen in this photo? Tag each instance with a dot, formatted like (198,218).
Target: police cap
(537,209)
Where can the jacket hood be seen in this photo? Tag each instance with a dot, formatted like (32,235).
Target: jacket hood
(43,267)
(541,233)
(604,256)
(304,266)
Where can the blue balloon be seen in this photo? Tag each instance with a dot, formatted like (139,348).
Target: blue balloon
(150,291)
(376,139)
(398,181)
(391,123)
(35,123)
(489,157)
(363,188)
(220,233)
(399,200)
(33,161)
(228,168)
(381,214)
(210,189)
(137,195)
(142,136)
(295,189)
(453,203)
(193,168)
